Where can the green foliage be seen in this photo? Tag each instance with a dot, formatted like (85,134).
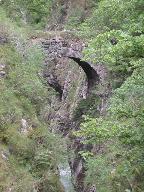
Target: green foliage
(116,30)
(116,15)
(123,132)
(102,173)
(92,130)
(87,107)
(119,57)
(15,177)
(32,156)
(76,17)
(35,12)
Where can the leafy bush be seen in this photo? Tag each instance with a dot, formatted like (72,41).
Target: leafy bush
(117,41)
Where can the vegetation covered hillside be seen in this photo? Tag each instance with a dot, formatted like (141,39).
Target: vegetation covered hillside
(108,146)
(116,33)
(29,153)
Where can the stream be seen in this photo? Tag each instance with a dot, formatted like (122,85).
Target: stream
(65,178)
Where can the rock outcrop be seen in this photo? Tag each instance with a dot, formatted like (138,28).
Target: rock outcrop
(2,70)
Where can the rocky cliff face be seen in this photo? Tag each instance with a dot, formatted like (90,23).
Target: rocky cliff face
(74,81)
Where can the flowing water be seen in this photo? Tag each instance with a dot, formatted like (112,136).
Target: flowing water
(65,177)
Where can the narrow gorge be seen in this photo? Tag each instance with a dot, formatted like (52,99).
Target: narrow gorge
(71,96)
(74,80)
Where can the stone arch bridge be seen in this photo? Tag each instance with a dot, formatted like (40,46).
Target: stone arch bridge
(59,48)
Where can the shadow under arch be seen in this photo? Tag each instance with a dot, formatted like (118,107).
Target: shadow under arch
(91,74)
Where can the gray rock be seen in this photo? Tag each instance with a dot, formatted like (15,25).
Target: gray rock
(5,155)
(2,66)
(2,74)
(3,40)
(24,126)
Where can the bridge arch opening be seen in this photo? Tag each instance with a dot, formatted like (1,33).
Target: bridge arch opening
(91,74)
(59,48)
